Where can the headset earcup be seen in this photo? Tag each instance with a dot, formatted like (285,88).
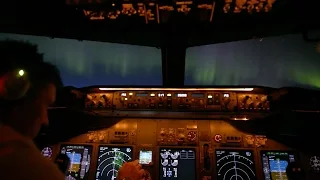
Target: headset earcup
(13,87)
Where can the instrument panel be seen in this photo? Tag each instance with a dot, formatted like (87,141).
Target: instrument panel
(180,149)
(162,99)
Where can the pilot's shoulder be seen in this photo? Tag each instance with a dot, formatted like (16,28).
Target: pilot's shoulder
(42,167)
(30,164)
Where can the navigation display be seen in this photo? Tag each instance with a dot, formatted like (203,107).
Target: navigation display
(274,164)
(80,158)
(110,159)
(47,152)
(178,164)
(235,164)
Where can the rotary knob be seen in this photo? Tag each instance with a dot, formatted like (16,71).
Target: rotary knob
(162,132)
(192,136)
(133,11)
(141,11)
(258,105)
(171,132)
(89,97)
(90,137)
(104,98)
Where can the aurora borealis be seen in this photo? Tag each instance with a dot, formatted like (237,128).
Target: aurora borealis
(86,63)
(274,61)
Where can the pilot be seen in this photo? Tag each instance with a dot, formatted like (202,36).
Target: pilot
(27,88)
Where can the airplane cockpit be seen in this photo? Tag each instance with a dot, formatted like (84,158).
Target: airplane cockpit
(208,89)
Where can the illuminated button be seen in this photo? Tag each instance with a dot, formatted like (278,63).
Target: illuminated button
(217,138)
(216,98)
(21,72)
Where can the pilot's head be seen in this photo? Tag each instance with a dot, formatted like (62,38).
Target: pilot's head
(27,87)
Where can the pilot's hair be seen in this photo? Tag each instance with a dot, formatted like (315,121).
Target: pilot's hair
(25,54)
(20,54)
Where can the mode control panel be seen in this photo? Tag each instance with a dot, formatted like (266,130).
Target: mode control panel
(222,100)
(140,100)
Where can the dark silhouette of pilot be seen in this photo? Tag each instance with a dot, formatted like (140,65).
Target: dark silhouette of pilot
(63,162)
(28,87)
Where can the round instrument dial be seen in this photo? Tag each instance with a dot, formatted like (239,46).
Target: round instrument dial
(192,136)
(47,152)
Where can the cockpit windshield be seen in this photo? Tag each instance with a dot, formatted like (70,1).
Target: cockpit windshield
(274,61)
(88,63)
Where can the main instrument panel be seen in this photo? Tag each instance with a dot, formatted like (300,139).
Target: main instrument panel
(184,146)
(180,150)
(175,99)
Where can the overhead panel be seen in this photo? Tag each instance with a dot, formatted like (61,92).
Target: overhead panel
(152,11)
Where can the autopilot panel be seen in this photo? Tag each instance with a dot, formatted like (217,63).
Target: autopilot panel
(178,99)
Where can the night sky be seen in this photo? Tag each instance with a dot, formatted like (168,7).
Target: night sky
(274,61)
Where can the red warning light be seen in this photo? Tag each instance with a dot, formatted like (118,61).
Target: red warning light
(217,138)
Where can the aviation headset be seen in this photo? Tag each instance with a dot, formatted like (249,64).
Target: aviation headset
(17,69)
(14,84)
(16,79)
